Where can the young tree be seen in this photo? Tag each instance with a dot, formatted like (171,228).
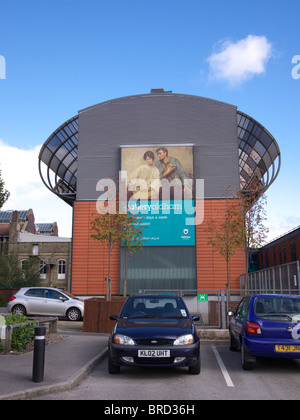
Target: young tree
(4,194)
(131,240)
(242,223)
(227,235)
(12,275)
(252,209)
(10,271)
(112,229)
(106,228)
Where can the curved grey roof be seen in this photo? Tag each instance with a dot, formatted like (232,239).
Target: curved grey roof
(258,151)
(259,157)
(59,153)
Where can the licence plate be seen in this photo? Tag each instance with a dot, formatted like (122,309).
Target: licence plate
(154,353)
(287,348)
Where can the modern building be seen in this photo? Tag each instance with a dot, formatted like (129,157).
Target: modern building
(282,250)
(169,139)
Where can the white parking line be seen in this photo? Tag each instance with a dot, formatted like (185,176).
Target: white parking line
(222,367)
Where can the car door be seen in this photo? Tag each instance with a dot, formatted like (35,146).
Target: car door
(34,298)
(53,303)
(240,317)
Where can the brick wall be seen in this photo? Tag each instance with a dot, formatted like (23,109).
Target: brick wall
(90,258)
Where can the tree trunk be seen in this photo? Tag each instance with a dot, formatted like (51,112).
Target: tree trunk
(125,276)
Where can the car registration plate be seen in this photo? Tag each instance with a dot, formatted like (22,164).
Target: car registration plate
(287,348)
(154,353)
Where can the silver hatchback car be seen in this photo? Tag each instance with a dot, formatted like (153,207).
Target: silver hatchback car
(46,301)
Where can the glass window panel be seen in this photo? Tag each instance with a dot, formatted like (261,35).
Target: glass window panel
(164,268)
(265,139)
(273,151)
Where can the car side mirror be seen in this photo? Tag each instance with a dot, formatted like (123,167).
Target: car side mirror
(196,318)
(113,317)
(230,313)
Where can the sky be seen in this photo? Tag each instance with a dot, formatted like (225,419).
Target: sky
(60,56)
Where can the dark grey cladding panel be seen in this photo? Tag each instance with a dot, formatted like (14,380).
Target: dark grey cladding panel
(158,119)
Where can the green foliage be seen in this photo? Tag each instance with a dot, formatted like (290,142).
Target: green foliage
(21,335)
(2,301)
(241,225)
(118,228)
(4,194)
(10,271)
(12,275)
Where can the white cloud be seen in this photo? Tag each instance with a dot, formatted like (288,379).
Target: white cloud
(22,179)
(240,61)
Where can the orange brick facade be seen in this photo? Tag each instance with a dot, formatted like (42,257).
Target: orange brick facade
(90,258)
(211,267)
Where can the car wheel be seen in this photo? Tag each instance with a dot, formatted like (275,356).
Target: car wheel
(196,368)
(248,361)
(73,314)
(19,309)
(112,369)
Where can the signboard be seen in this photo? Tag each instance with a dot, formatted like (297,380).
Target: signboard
(202,297)
(159,181)
(158,172)
(165,223)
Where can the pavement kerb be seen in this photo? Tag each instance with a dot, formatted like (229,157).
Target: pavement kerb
(59,387)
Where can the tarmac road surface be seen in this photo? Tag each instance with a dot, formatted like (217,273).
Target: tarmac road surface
(271,380)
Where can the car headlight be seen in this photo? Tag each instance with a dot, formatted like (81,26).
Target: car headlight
(123,339)
(183,340)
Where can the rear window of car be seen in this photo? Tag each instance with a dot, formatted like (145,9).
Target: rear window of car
(278,308)
(35,292)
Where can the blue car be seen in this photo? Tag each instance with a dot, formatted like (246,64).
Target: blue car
(266,325)
(154,330)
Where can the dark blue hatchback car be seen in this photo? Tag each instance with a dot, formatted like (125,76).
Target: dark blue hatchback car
(266,326)
(154,330)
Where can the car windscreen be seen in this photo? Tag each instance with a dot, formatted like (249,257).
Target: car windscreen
(70,295)
(278,308)
(154,307)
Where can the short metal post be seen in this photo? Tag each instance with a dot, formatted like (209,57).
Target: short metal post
(39,354)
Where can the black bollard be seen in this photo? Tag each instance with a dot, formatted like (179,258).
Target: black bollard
(39,354)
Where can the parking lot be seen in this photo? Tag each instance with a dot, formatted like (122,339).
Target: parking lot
(221,378)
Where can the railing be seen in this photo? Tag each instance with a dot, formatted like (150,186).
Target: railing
(6,331)
(283,278)
(208,304)
(212,305)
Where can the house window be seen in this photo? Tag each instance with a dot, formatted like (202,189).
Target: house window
(61,270)
(23,267)
(43,270)
(293,249)
(35,250)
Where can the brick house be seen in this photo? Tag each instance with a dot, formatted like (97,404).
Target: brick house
(21,236)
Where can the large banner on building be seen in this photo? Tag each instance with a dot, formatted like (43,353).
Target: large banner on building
(165,223)
(160,190)
(159,172)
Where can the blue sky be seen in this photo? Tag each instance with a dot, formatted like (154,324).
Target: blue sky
(62,56)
